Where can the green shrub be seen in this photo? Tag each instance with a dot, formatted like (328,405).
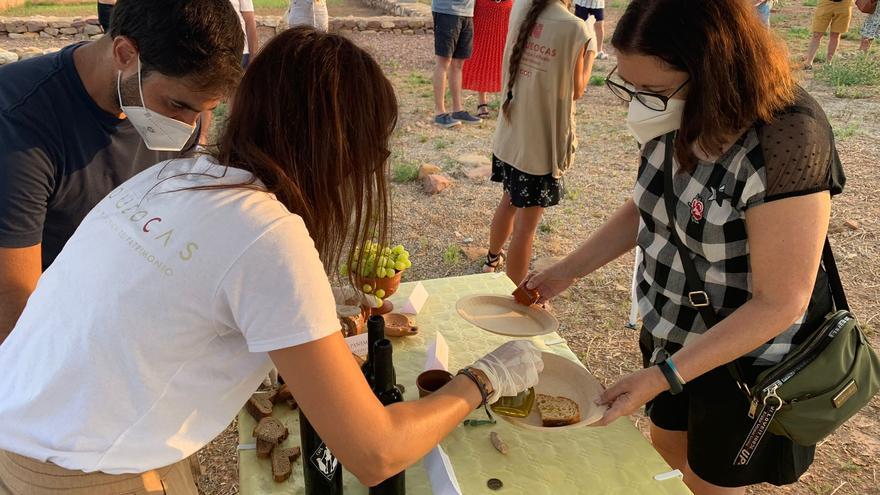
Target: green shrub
(861,70)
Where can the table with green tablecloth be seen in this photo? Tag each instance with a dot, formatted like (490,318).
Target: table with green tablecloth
(615,459)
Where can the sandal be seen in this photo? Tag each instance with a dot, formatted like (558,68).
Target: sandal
(483,111)
(494,262)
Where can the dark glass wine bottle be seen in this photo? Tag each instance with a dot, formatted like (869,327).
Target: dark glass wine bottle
(375,333)
(322,473)
(386,390)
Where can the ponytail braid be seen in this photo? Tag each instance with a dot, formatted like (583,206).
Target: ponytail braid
(525,30)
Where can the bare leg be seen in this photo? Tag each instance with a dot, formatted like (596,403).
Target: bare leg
(813,49)
(502,225)
(600,35)
(866,44)
(833,41)
(520,253)
(455,83)
(702,487)
(672,446)
(440,71)
(483,98)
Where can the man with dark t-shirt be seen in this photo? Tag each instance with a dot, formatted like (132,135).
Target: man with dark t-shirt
(77,123)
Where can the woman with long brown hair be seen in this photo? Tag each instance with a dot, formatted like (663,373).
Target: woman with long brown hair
(548,60)
(183,287)
(712,100)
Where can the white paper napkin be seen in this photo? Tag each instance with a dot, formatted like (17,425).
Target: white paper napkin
(437,463)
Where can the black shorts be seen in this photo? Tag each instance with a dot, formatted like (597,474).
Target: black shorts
(584,13)
(453,36)
(714,413)
(527,190)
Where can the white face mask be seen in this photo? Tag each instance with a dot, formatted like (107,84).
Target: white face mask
(160,133)
(646,124)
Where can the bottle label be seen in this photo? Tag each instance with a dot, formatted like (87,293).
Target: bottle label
(324,461)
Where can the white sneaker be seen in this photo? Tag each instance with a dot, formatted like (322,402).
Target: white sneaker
(601,56)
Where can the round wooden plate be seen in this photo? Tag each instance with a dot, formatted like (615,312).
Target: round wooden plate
(504,316)
(566,378)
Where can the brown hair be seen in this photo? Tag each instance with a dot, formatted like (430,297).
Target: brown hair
(739,73)
(312,120)
(516,54)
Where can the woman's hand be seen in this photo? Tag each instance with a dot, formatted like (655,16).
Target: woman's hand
(550,282)
(630,393)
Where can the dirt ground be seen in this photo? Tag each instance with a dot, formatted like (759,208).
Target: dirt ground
(593,314)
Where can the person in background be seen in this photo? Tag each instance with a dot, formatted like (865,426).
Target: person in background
(596,8)
(105,11)
(870,30)
(77,123)
(547,65)
(308,13)
(245,11)
(453,44)
(482,72)
(835,14)
(764,7)
(753,164)
(183,287)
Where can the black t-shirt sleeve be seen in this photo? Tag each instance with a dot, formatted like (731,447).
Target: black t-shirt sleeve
(799,154)
(27,179)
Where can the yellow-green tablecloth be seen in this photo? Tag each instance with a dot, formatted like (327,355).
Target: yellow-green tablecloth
(612,460)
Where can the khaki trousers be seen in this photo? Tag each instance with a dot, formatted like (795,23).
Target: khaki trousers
(25,476)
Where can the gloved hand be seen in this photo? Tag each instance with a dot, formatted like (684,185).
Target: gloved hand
(511,368)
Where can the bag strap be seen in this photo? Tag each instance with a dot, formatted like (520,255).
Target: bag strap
(838,295)
(696,291)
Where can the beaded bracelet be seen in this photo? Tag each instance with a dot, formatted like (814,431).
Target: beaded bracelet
(484,390)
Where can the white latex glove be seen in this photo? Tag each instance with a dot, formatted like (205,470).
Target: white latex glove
(511,368)
(349,296)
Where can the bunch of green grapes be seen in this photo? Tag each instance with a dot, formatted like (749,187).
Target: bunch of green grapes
(376,261)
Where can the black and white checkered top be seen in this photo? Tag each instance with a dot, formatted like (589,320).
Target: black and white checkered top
(793,155)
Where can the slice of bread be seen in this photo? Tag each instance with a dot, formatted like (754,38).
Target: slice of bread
(260,405)
(264,449)
(269,432)
(557,411)
(282,463)
(282,394)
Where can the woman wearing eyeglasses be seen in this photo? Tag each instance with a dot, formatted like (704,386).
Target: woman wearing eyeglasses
(754,166)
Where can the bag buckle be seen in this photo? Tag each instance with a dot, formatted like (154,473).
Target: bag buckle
(698,298)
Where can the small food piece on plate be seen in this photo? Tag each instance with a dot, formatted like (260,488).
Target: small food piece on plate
(526,296)
(282,463)
(260,405)
(498,443)
(269,432)
(558,411)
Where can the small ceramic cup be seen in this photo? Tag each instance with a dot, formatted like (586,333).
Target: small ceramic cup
(431,381)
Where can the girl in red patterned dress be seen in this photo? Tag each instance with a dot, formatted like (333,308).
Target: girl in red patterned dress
(482,72)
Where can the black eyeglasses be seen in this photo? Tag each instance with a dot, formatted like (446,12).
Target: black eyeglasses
(653,101)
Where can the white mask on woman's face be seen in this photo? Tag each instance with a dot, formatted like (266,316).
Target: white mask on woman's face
(160,133)
(646,124)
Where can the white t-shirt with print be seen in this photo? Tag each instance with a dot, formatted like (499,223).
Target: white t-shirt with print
(243,6)
(151,329)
